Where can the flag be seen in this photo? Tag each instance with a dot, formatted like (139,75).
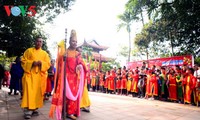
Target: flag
(61,47)
(58,93)
(100,62)
(95,63)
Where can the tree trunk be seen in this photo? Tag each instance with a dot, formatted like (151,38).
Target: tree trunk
(129,50)
(170,35)
(147,52)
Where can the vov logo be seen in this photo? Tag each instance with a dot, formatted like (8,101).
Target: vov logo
(23,10)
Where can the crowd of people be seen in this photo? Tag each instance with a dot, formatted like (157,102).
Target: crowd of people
(35,77)
(179,84)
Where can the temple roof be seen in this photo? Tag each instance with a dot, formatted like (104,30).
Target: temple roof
(93,44)
(96,50)
(100,57)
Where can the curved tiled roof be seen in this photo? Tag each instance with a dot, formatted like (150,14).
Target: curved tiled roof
(93,44)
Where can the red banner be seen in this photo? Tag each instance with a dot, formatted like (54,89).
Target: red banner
(169,61)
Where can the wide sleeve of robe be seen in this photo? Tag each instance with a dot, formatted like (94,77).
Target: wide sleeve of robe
(29,57)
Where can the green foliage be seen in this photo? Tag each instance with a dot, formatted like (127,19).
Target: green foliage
(126,20)
(2,59)
(5,61)
(135,7)
(18,33)
(94,65)
(115,64)
(87,53)
(174,21)
(109,65)
(105,66)
(123,51)
(197,60)
(150,41)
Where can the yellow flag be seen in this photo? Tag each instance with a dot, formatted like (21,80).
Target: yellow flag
(61,47)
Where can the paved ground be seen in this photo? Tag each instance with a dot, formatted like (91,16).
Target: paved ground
(108,107)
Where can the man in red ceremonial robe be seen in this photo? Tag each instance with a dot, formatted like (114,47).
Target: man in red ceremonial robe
(74,82)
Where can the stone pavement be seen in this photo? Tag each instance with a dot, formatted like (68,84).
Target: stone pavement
(107,107)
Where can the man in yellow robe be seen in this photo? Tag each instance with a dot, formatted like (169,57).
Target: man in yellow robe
(35,63)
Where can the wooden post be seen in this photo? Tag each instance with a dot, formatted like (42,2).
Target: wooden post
(64,91)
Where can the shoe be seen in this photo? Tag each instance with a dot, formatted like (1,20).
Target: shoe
(85,109)
(16,93)
(9,93)
(35,113)
(28,114)
(72,117)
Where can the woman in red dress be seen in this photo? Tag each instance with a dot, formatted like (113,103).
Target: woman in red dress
(123,82)
(118,81)
(134,88)
(101,82)
(106,83)
(112,80)
(172,85)
(148,84)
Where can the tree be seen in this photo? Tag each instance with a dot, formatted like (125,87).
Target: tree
(143,40)
(124,51)
(136,9)
(197,60)
(151,41)
(106,66)
(126,20)
(180,22)
(17,33)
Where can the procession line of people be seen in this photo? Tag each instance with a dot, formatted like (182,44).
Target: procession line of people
(167,83)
